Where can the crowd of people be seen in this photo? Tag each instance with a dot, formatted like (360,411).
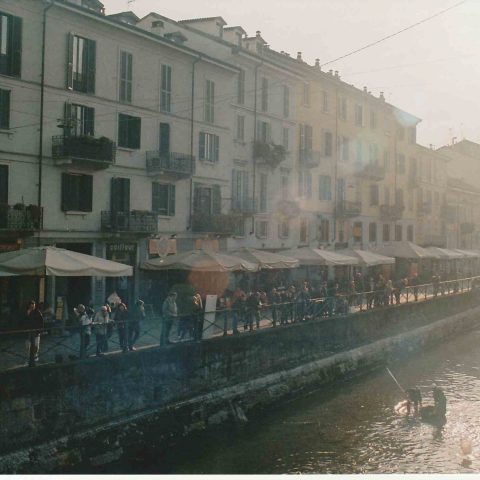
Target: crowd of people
(283,304)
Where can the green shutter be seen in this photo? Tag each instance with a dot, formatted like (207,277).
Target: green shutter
(5,109)
(86,193)
(196,198)
(3,184)
(67,119)
(216,148)
(154,197)
(201,148)
(136,132)
(164,138)
(15,40)
(70,61)
(89,121)
(217,200)
(171,200)
(90,63)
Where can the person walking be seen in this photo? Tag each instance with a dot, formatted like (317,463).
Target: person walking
(33,322)
(85,323)
(238,307)
(101,322)
(169,313)
(121,320)
(138,315)
(198,317)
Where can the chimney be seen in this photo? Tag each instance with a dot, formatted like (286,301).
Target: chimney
(299,55)
(364,89)
(258,33)
(381,97)
(454,139)
(337,76)
(317,63)
(330,72)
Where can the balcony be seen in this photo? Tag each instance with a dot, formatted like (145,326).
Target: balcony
(20,218)
(268,153)
(136,221)
(221,224)
(347,209)
(466,228)
(424,208)
(288,208)
(413,180)
(309,159)
(391,213)
(372,171)
(84,152)
(243,206)
(170,164)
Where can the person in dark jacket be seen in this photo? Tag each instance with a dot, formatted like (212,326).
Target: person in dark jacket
(121,320)
(33,322)
(138,315)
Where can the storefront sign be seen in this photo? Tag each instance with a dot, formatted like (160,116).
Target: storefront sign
(121,247)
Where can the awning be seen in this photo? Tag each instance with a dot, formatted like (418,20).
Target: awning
(368,258)
(467,253)
(403,250)
(314,256)
(266,260)
(200,261)
(52,261)
(445,253)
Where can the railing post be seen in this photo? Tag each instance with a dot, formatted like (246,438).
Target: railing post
(406,290)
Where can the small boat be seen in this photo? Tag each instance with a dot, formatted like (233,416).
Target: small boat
(431,414)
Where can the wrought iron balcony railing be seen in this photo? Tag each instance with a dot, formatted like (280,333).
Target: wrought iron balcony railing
(391,212)
(348,209)
(244,206)
(372,171)
(309,158)
(135,221)
(20,218)
(220,223)
(179,165)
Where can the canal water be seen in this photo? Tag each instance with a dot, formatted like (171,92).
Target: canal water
(350,427)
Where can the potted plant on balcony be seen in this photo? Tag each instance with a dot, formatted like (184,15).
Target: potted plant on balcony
(35,214)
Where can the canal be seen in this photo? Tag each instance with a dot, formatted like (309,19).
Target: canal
(350,427)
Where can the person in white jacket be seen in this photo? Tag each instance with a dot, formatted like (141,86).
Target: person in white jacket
(85,323)
(101,321)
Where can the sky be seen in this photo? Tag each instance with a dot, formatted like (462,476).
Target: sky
(431,71)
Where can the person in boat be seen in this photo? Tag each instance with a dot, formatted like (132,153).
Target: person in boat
(414,397)
(440,401)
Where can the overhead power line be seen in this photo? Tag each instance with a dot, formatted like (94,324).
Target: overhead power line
(395,34)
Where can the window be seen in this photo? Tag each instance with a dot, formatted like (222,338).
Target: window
(373,119)
(129,131)
(241,87)
(410,233)
(240,198)
(357,231)
(166,88)
(306,134)
(126,77)
(284,228)
(209,101)
(164,139)
(359,115)
(344,149)
(81,64)
(373,195)
(359,152)
(342,108)
(303,230)
(398,233)
(372,232)
(79,120)
(207,199)
(286,101)
(306,94)
(400,133)
(305,184)
(328,144)
(412,135)
(263,131)
(386,193)
(436,197)
(325,105)
(77,192)
(324,187)
(324,231)
(399,198)
(386,232)
(209,147)
(286,138)
(401,163)
(120,194)
(263,192)
(3,186)
(163,199)
(10,45)
(386,160)
(4,108)
(240,127)
(264,94)
(285,188)
(261,229)
(373,154)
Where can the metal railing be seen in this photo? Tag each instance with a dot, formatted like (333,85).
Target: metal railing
(170,163)
(134,221)
(60,343)
(20,218)
(100,152)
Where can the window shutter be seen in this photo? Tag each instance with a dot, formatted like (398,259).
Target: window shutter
(86,194)
(70,61)
(16,46)
(3,184)
(90,48)
(308,137)
(309,184)
(155,201)
(65,205)
(89,121)
(171,200)
(217,200)
(216,148)
(201,148)
(196,199)
(4,109)
(115,193)
(67,119)
(136,131)
(164,138)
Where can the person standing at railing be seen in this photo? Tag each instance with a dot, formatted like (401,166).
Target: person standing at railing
(274,300)
(397,289)
(101,322)
(370,292)
(138,316)
(388,292)
(352,293)
(169,313)
(238,308)
(33,321)
(122,316)
(198,315)
(414,282)
(435,284)
(85,323)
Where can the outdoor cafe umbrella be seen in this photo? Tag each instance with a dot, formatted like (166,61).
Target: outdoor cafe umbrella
(266,260)
(52,261)
(407,250)
(313,256)
(367,258)
(445,253)
(200,261)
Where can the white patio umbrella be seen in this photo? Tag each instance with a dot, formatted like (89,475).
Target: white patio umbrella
(266,260)
(445,253)
(52,261)
(313,256)
(201,261)
(368,258)
(404,250)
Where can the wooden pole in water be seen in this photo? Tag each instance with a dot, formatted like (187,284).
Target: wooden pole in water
(395,380)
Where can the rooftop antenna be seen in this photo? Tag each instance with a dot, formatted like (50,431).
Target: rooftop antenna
(129,2)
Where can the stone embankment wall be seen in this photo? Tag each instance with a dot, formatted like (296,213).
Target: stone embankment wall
(90,412)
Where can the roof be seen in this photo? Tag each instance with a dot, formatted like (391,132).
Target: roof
(129,15)
(238,27)
(465,147)
(193,20)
